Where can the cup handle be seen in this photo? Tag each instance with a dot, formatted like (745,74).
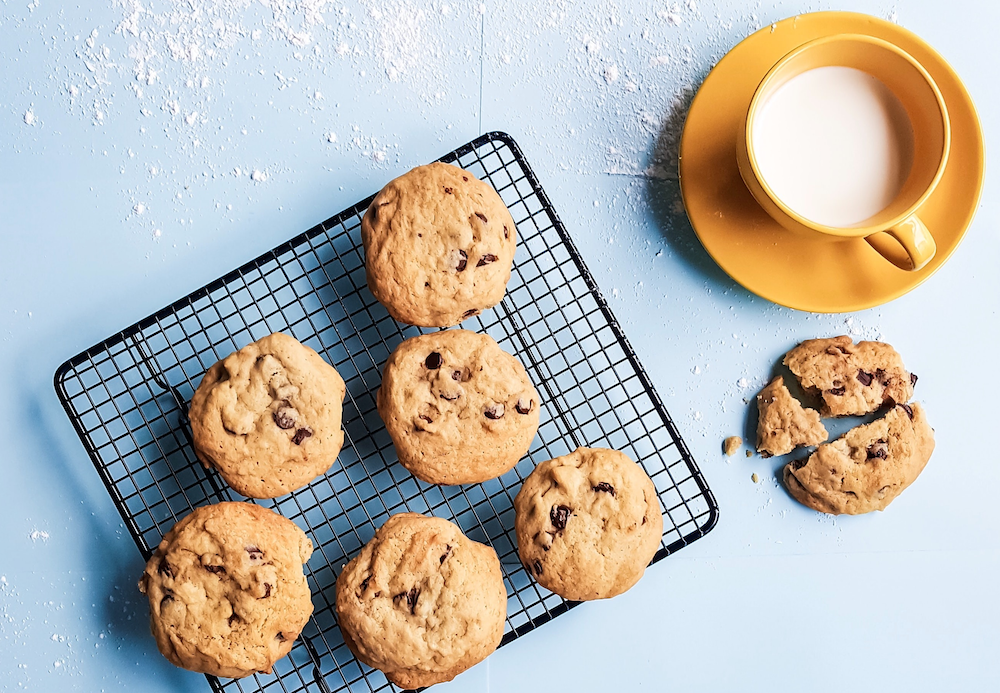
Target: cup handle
(908,245)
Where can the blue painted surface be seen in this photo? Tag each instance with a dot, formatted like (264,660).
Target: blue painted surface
(776,596)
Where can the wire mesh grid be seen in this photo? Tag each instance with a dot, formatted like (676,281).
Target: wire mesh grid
(127,398)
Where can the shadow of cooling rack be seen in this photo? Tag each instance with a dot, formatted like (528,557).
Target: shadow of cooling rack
(127,398)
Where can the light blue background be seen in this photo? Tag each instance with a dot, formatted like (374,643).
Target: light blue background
(777,597)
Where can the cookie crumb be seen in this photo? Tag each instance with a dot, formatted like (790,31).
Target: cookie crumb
(731,444)
(749,453)
(754,478)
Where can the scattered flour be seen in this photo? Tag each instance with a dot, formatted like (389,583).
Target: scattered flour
(38,534)
(170,60)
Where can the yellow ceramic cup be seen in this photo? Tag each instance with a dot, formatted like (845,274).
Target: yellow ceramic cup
(896,232)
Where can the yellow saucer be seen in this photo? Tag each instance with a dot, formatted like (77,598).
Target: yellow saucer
(802,272)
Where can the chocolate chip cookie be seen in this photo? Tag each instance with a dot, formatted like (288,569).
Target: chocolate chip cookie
(459,409)
(783,424)
(587,523)
(268,417)
(866,468)
(227,595)
(852,379)
(439,245)
(421,602)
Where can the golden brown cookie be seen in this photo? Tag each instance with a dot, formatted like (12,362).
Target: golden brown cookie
(439,246)
(783,424)
(866,468)
(588,523)
(421,602)
(267,417)
(227,595)
(852,379)
(459,409)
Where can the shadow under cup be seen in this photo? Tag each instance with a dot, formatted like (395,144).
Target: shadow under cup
(895,232)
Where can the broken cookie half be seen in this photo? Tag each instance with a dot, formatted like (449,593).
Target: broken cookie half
(852,379)
(783,424)
(867,467)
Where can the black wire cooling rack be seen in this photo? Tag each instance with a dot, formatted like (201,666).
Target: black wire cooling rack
(127,398)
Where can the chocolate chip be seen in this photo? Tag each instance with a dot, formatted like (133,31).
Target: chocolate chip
(908,409)
(267,590)
(559,515)
(450,396)
(280,637)
(447,552)
(449,191)
(469,313)
(164,568)
(433,360)
(878,450)
(605,487)
(799,464)
(495,411)
(537,565)
(283,418)
(837,391)
(301,435)
(215,569)
(482,216)
(506,232)
(523,405)
(864,378)
(463,260)
(913,379)
(456,375)
(410,598)
(255,553)
(486,259)
(465,178)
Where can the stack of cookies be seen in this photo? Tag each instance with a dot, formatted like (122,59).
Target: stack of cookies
(421,601)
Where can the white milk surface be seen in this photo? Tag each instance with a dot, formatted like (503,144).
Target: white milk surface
(834,144)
